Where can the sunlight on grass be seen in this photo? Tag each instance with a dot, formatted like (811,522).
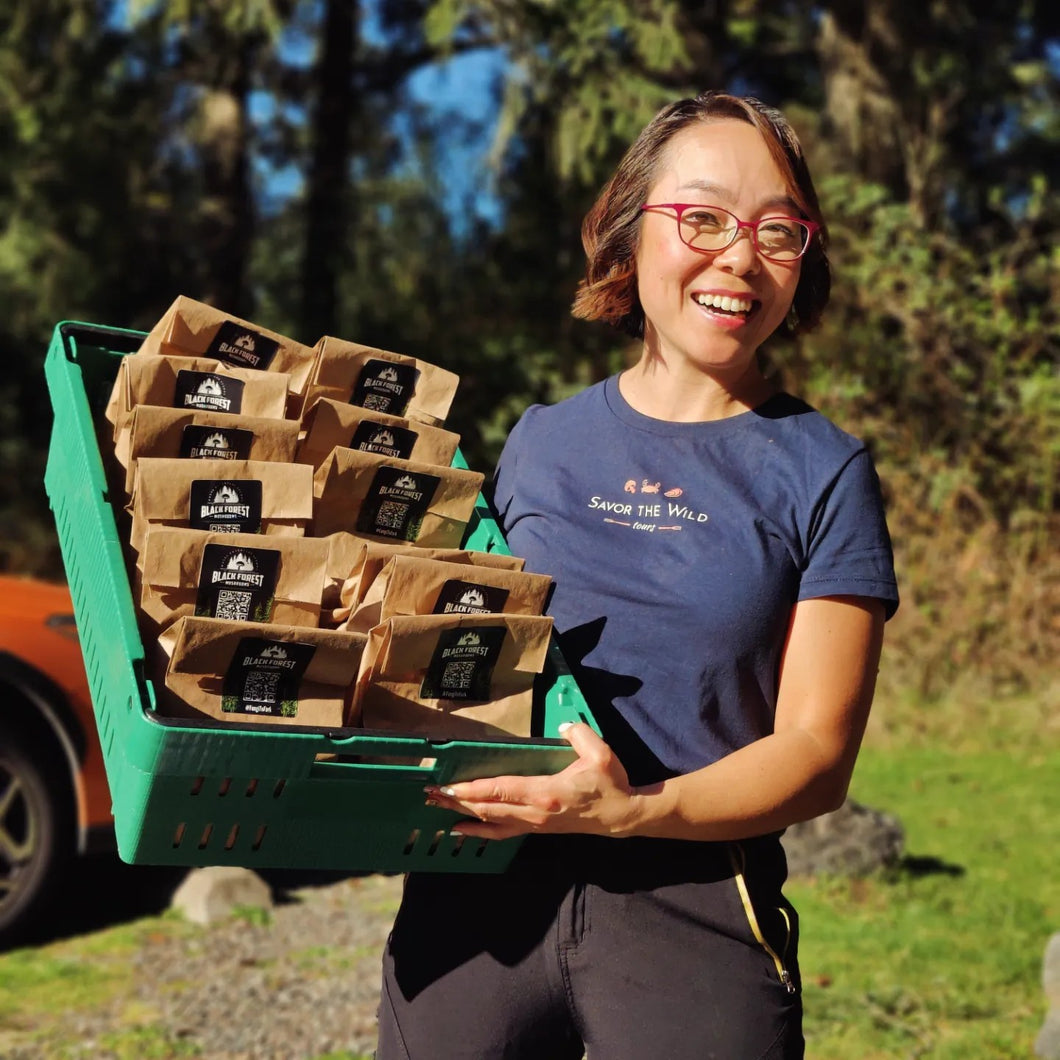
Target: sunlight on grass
(86,972)
(942,956)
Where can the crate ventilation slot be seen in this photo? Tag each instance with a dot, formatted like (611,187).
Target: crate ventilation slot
(224,786)
(461,845)
(207,833)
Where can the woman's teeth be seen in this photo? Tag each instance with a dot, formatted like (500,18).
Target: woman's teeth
(724,302)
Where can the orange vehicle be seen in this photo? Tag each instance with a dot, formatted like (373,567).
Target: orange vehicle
(54,800)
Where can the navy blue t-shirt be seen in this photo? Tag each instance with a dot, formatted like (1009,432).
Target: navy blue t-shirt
(678,551)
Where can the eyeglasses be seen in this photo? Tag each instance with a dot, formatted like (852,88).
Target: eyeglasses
(710,228)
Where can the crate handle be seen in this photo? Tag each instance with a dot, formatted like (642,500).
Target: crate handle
(120,340)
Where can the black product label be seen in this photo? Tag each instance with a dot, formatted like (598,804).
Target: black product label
(468,598)
(208,392)
(226,506)
(396,502)
(264,677)
(237,584)
(387,441)
(241,346)
(462,664)
(385,386)
(217,443)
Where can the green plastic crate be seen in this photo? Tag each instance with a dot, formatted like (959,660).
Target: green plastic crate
(211,794)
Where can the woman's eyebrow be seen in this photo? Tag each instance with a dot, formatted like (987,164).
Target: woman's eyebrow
(725,195)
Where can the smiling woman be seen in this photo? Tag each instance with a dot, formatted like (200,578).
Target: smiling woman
(722,574)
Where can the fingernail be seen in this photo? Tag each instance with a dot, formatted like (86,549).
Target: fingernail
(455,831)
(447,792)
(430,802)
(563,726)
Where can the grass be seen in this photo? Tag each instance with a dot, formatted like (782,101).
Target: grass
(941,957)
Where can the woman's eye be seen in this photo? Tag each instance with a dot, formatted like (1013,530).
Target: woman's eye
(704,218)
(778,229)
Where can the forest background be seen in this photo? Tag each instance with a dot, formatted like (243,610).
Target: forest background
(412,175)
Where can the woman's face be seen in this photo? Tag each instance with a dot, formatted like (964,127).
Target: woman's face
(724,163)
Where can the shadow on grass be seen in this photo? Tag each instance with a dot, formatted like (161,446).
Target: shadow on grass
(102,891)
(917,867)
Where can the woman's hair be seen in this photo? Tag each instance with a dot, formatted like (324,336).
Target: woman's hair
(611,229)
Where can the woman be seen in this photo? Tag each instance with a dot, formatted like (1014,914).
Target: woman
(722,575)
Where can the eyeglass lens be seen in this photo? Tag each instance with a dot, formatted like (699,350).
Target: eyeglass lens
(711,228)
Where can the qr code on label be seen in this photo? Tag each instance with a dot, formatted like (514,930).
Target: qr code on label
(457,676)
(376,402)
(232,605)
(261,686)
(393,515)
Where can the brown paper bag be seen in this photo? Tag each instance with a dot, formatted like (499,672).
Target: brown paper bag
(250,672)
(343,552)
(382,381)
(412,585)
(330,424)
(191,328)
(357,590)
(222,496)
(394,500)
(452,677)
(157,431)
(194,384)
(237,577)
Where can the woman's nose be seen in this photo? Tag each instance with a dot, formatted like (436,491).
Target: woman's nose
(741,255)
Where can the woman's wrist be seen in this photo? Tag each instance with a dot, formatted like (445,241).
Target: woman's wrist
(643,810)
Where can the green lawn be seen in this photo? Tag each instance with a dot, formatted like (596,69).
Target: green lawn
(941,958)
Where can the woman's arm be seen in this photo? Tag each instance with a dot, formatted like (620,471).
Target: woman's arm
(801,770)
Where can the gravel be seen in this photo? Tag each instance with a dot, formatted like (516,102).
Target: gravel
(300,981)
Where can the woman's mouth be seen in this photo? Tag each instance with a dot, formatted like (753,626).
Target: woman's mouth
(726,311)
(730,305)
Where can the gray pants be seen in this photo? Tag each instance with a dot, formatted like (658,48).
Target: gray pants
(614,949)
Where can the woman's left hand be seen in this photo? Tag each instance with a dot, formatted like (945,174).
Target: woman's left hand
(591,795)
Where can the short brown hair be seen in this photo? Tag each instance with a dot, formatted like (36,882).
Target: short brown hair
(611,229)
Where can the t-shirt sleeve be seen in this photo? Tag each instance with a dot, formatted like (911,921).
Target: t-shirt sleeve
(849,549)
(503,485)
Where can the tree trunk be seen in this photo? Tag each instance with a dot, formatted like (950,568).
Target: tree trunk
(888,124)
(228,214)
(327,198)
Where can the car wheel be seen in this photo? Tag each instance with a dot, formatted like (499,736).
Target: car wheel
(36,832)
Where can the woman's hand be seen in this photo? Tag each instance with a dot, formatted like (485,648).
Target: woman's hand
(591,795)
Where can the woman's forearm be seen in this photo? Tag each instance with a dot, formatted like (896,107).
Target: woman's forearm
(775,782)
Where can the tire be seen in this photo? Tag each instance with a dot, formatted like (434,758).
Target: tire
(36,832)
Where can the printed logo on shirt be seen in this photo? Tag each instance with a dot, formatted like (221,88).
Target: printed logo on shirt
(654,507)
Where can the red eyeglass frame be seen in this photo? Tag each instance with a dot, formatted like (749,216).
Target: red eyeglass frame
(680,207)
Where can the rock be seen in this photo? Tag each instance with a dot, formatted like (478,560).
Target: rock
(1047,1044)
(215,892)
(851,841)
